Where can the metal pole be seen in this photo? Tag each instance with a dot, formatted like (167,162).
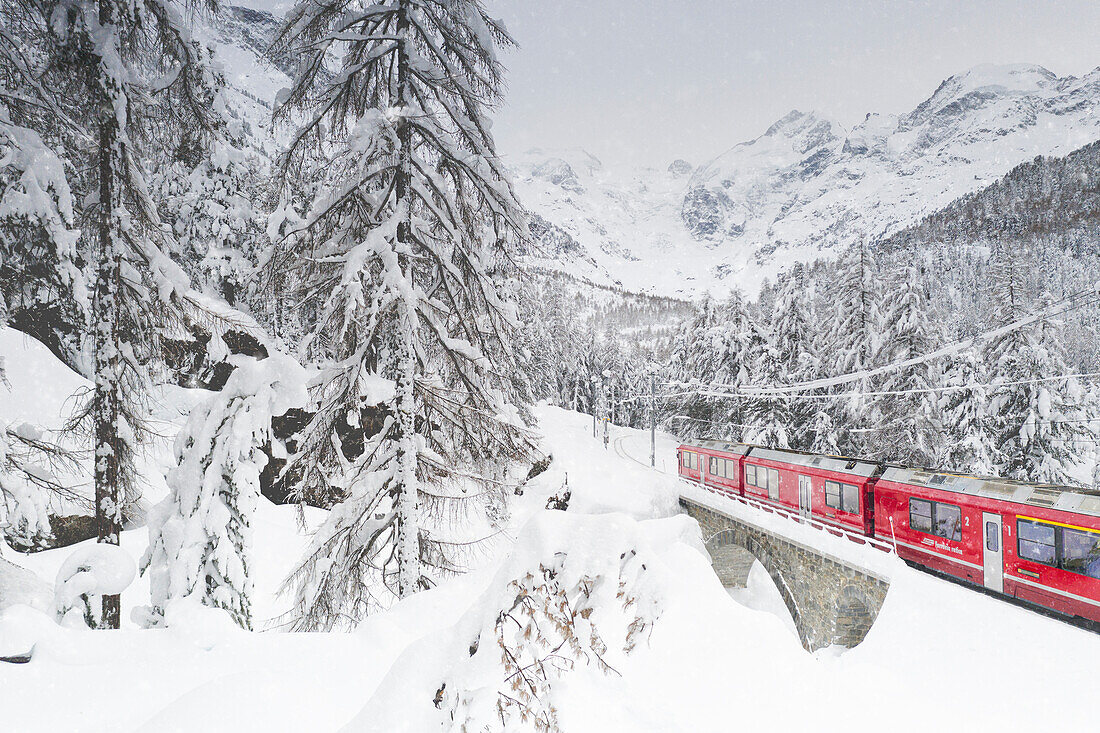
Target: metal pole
(612,402)
(652,423)
(595,406)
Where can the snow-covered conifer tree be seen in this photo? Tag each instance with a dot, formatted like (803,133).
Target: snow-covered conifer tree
(906,426)
(797,357)
(402,252)
(200,536)
(854,341)
(767,418)
(1031,424)
(117,80)
(966,444)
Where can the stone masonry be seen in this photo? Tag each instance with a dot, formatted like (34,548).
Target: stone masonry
(830,601)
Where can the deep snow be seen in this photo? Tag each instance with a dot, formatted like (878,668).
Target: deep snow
(937,652)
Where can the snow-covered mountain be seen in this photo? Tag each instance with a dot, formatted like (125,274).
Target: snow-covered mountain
(804,188)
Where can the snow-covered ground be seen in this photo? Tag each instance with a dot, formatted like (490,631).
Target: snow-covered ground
(712,659)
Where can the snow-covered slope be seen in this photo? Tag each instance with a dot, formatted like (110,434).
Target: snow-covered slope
(708,661)
(805,187)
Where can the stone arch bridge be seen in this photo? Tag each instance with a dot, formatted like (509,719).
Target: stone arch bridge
(831,600)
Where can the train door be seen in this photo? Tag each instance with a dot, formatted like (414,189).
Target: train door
(805,506)
(993,552)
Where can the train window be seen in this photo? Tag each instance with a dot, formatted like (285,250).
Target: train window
(920,515)
(832,494)
(850,499)
(1080,552)
(948,522)
(694,460)
(713,466)
(992,537)
(1036,541)
(750,475)
(773,484)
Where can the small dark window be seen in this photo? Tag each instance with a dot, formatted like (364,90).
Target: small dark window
(920,515)
(750,475)
(850,499)
(832,494)
(713,466)
(773,483)
(1036,541)
(992,537)
(948,522)
(1081,552)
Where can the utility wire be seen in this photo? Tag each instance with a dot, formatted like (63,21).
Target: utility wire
(1073,302)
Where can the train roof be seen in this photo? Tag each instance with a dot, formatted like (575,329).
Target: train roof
(1047,496)
(739,449)
(840,464)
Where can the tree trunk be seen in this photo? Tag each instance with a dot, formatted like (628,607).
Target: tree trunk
(408,526)
(107,403)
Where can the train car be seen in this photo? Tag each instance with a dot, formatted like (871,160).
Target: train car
(713,462)
(832,489)
(1037,543)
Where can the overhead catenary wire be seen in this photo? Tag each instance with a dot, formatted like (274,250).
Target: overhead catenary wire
(992,386)
(879,428)
(1066,305)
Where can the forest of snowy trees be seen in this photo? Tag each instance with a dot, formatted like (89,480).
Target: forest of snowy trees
(364,282)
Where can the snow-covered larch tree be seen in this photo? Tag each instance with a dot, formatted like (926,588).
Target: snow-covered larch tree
(200,536)
(402,255)
(796,355)
(854,341)
(116,81)
(967,443)
(767,417)
(906,425)
(1032,426)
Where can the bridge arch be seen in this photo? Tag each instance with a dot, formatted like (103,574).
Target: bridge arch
(830,601)
(739,538)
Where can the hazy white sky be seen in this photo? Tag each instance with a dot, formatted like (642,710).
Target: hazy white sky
(646,81)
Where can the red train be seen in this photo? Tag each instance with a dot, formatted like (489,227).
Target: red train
(1036,543)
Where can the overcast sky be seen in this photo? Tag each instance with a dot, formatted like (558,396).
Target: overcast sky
(646,81)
